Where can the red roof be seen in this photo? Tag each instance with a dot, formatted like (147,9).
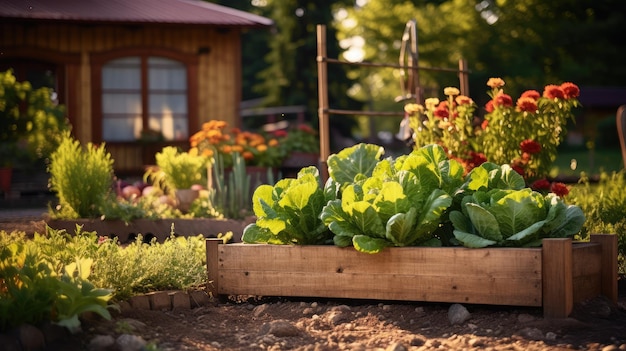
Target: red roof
(194,12)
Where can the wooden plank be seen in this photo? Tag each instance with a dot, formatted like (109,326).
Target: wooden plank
(557,278)
(495,276)
(491,262)
(609,264)
(586,271)
(212,264)
(391,286)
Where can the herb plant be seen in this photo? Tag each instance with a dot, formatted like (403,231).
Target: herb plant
(82,178)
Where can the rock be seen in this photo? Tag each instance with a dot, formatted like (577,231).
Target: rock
(458,314)
(259,310)
(551,336)
(396,346)
(419,312)
(180,299)
(127,342)
(140,302)
(531,333)
(279,328)
(336,317)
(100,342)
(525,318)
(160,301)
(31,337)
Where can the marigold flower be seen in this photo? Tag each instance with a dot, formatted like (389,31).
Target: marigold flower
(431,103)
(494,83)
(463,100)
(261,148)
(442,110)
(540,184)
(533,94)
(530,146)
(451,91)
(560,189)
(207,153)
(484,124)
(527,104)
(272,143)
(552,91)
(489,106)
(247,155)
(503,100)
(415,108)
(570,90)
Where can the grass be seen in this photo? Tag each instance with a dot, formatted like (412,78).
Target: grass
(573,162)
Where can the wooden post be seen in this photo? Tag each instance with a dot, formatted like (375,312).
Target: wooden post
(322,91)
(463,77)
(212,264)
(557,278)
(608,242)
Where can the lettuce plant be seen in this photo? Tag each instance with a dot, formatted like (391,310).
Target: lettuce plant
(498,210)
(289,212)
(401,204)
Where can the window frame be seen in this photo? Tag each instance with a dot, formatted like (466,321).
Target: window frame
(190,62)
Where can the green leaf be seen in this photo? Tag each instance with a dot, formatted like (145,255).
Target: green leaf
(400,226)
(367,244)
(360,159)
(485,223)
(471,240)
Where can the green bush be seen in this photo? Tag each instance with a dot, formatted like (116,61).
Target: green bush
(604,205)
(81,177)
(35,286)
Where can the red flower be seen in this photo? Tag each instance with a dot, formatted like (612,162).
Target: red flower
(503,100)
(553,92)
(442,110)
(281,133)
(570,90)
(518,168)
(530,146)
(540,184)
(484,125)
(477,158)
(527,104)
(306,128)
(463,100)
(489,106)
(533,94)
(559,189)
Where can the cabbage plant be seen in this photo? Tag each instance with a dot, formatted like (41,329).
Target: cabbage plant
(289,211)
(401,204)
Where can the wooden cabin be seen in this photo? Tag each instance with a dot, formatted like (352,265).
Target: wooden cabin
(137,74)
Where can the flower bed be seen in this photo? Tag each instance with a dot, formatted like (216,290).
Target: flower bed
(555,276)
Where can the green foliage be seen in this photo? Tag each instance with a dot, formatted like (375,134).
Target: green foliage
(35,286)
(81,177)
(604,205)
(177,170)
(289,212)
(401,204)
(31,124)
(177,263)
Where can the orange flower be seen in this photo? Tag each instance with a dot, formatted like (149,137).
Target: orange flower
(570,90)
(503,100)
(463,100)
(272,143)
(261,148)
(552,91)
(533,94)
(560,189)
(494,83)
(527,104)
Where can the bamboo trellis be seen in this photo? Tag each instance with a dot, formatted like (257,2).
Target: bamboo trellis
(410,83)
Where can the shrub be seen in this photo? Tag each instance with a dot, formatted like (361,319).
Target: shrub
(81,177)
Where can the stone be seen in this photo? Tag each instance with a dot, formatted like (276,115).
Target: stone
(180,299)
(279,328)
(198,298)
(100,342)
(160,301)
(532,333)
(458,314)
(259,310)
(31,337)
(127,342)
(140,302)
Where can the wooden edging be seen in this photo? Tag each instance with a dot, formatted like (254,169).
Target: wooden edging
(555,276)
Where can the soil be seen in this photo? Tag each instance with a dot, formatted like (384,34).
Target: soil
(271,323)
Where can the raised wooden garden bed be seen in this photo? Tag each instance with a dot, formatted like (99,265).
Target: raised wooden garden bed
(555,276)
(159,228)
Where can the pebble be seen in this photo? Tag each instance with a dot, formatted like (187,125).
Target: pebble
(127,342)
(458,314)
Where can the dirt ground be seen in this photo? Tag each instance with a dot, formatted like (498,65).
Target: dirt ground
(270,323)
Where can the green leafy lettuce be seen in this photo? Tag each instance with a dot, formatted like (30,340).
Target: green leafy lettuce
(402,203)
(289,211)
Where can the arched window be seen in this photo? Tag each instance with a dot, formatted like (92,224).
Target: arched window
(143,96)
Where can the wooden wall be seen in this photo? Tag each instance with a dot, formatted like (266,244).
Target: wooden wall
(218,52)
